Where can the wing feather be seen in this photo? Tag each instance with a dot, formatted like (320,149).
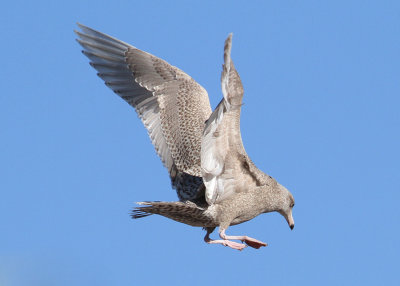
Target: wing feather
(222,143)
(172,106)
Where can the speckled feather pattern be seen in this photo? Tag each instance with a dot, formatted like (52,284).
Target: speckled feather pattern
(172,106)
(184,212)
(216,182)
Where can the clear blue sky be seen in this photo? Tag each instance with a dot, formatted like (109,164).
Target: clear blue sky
(321,115)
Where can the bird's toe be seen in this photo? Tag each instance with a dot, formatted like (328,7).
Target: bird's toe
(255,243)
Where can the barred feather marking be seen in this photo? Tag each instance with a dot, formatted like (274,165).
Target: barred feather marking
(172,106)
(184,212)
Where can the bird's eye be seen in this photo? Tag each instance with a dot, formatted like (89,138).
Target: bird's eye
(292,205)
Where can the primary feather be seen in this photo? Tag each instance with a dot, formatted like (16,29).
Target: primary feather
(216,182)
(172,106)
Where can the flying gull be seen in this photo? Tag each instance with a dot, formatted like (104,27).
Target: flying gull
(216,182)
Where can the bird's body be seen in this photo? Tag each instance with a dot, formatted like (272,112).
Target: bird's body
(216,182)
(235,210)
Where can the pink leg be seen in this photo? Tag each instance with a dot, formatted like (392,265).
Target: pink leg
(231,244)
(248,240)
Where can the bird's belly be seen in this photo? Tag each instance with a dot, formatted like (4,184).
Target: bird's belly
(243,218)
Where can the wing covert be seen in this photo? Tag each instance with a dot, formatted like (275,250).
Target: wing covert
(222,148)
(172,106)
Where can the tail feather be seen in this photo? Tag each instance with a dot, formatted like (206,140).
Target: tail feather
(184,212)
(137,213)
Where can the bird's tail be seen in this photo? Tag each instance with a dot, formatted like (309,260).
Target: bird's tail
(184,212)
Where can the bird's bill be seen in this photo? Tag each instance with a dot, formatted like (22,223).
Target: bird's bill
(290,220)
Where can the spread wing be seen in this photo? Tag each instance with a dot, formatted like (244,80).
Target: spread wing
(172,106)
(225,165)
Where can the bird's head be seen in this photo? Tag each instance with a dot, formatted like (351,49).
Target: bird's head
(286,204)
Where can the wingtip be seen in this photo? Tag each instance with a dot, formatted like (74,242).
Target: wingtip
(227,65)
(86,29)
(81,27)
(228,45)
(228,40)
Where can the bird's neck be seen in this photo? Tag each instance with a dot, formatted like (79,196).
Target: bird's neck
(269,197)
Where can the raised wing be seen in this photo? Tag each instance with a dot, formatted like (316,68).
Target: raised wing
(226,168)
(172,106)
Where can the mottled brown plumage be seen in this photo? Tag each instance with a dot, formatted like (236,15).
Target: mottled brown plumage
(216,182)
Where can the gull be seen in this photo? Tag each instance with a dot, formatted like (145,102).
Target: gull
(215,180)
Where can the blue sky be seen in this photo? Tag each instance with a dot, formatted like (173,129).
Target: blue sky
(321,115)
